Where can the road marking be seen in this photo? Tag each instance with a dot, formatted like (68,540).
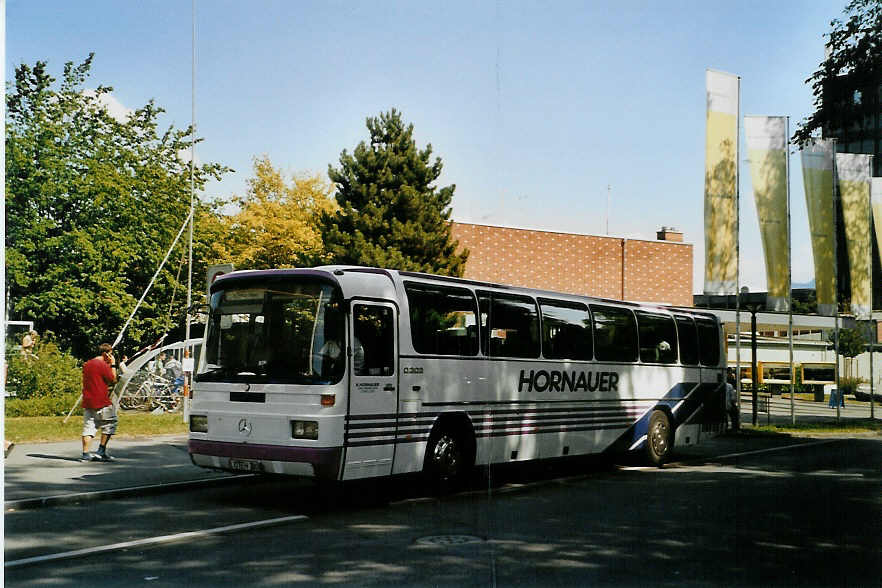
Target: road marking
(152,541)
(773,449)
(728,456)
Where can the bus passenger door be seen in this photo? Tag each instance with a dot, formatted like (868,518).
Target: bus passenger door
(371,421)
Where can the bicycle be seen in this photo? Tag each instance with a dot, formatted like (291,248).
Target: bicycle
(154,392)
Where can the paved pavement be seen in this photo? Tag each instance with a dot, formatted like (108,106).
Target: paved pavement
(38,474)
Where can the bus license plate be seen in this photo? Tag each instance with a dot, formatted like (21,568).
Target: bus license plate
(246,465)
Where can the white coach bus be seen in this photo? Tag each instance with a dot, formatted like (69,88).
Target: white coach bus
(350,372)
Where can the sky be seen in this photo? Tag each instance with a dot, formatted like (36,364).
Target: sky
(541,112)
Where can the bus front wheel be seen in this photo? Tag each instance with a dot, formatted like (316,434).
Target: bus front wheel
(659,438)
(447,456)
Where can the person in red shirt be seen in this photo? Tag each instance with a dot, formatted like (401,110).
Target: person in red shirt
(98,410)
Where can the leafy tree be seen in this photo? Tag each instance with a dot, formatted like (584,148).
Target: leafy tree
(278,223)
(93,203)
(391,214)
(846,83)
(851,344)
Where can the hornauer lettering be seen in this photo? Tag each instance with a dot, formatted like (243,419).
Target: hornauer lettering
(561,381)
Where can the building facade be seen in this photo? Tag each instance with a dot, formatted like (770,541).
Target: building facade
(609,267)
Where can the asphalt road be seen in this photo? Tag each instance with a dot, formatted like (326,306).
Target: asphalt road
(739,512)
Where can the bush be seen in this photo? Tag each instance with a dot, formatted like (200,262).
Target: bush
(849,385)
(46,382)
(56,405)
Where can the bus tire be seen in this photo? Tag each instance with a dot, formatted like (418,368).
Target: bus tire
(659,438)
(449,455)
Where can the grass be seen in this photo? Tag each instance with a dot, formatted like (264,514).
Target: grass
(37,429)
(846,426)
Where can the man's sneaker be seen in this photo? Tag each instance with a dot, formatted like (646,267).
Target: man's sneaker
(88,457)
(101,457)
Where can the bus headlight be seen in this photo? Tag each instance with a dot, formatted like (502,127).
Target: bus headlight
(198,423)
(304,429)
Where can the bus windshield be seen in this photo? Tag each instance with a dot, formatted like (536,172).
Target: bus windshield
(283,331)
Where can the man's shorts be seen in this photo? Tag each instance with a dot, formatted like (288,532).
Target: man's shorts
(101,418)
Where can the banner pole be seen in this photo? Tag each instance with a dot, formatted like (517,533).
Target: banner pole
(836,273)
(789,272)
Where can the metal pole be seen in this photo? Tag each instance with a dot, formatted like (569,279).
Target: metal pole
(738,265)
(789,276)
(836,273)
(188,350)
(753,374)
(870,257)
(873,339)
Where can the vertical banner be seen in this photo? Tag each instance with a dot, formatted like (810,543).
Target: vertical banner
(767,152)
(876,203)
(853,173)
(721,184)
(817,178)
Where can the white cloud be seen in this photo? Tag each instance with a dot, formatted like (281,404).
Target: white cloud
(184,157)
(113,106)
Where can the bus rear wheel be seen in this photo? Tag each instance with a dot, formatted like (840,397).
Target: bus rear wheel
(659,438)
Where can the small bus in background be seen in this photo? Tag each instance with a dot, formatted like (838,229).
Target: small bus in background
(349,372)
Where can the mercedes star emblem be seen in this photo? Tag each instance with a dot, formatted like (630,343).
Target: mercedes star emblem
(244,427)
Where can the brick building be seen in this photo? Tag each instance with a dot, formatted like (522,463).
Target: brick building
(609,267)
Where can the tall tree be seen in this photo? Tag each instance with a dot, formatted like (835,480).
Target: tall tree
(93,202)
(277,224)
(391,214)
(846,84)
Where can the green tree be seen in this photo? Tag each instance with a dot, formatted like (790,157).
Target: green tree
(845,85)
(277,224)
(93,202)
(391,214)
(851,344)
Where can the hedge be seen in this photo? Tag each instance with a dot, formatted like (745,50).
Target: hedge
(46,382)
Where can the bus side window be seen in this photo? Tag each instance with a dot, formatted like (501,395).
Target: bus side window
(566,330)
(513,329)
(658,337)
(709,341)
(615,333)
(373,350)
(442,319)
(688,338)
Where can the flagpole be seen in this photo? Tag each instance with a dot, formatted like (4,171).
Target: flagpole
(789,271)
(836,274)
(738,259)
(188,349)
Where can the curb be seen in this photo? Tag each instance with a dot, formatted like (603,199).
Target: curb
(33,503)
